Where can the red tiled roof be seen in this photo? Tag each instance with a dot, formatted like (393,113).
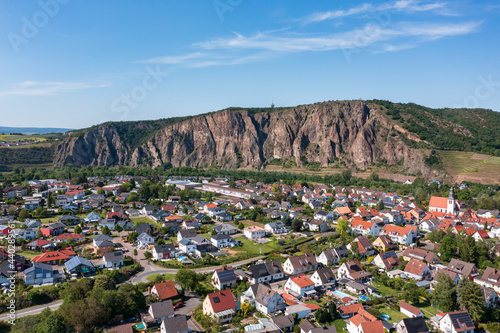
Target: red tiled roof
(440,202)
(302,281)
(313,307)
(67,236)
(353,308)
(415,267)
(222,300)
(373,327)
(166,289)
(54,255)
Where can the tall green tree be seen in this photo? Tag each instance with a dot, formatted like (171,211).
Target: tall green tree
(470,298)
(448,247)
(445,294)
(55,323)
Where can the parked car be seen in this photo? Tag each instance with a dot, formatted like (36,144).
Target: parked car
(178,305)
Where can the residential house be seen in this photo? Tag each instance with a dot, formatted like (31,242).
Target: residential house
(323,277)
(412,325)
(316,225)
(276,228)
(456,322)
(52,229)
(265,272)
(415,253)
(113,259)
(220,305)
(300,264)
(39,274)
(402,235)
(102,244)
(332,256)
(164,251)
(54,257)
(387,261)
(26,234)
(355,323)
(384,244)
(464,269)
(284,323)
(264,298)
(348,311)
(453,276)
(226,228)
(79,265)
(490,297)
(409,310)
(221,240)
(353,270)
(40,244)
(322,215)
(93,217)
(144,240)
(223,278)
(164,290)
(417,270)
(254,232)
(490,279)
(69,220)
(65,237)
(365,228)
(364,246)
(157,313)
(301,285)
(186,234)
(176,324)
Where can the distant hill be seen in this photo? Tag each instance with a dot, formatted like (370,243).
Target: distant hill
(32,130)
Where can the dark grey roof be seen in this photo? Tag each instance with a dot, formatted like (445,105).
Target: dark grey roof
(113,256)
(102,237)
(283,321)
(225,227)
(259,270)
(324,329)
(187,233)
(226,275)
(306,325)
(220,236)
(164,247)
(415,325)
(177,324)
(143,227)
(162,309)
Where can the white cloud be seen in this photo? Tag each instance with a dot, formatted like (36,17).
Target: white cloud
(50,88)
(408,6)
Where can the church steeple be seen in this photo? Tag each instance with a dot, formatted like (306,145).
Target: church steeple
(450,207)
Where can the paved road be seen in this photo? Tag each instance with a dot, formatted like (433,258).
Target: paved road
(33,310)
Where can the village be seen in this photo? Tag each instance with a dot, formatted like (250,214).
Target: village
(268,257)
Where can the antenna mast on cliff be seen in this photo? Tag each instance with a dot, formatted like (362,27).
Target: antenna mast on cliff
(272,103)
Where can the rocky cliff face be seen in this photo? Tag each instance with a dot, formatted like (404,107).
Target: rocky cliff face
(99,146)
(352,131)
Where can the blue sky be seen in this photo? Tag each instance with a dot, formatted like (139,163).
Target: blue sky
(73,64)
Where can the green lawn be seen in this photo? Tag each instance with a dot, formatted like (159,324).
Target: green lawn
(250,247)
(138,220)
(28,254)
(428,310)
(340,324)
(166,276)
(386,291)
(396,316)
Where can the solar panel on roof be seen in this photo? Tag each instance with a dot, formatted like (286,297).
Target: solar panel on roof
(267,299)
(216,299)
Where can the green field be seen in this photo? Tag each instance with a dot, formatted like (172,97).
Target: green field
(13,138)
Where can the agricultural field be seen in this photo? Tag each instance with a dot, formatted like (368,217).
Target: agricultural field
(464,166)
(14,138)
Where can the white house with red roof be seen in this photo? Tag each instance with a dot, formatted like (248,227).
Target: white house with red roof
(456,322)
(481,235)
(301,285)
(220,305)
(417,270)
(410,310)
(365,228)
(403,235)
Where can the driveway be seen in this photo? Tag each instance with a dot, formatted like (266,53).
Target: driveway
(33,310)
